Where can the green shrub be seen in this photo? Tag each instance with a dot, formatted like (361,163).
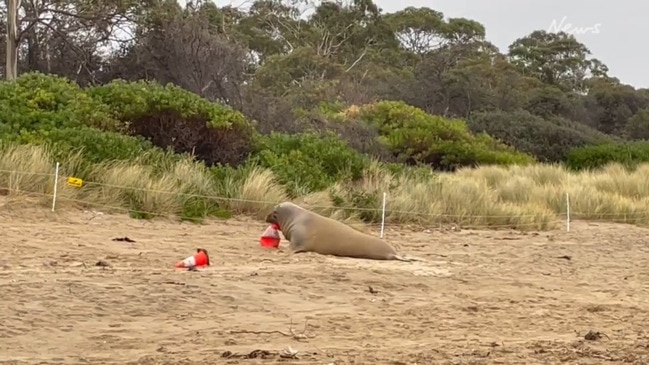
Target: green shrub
(628,154)
(308,162)
(93,145)
(549,140)
(417,137)
(172,117)
(96,146)
(37,102)
(358,134)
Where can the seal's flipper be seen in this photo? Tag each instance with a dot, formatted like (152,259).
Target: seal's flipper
(297,251)
(407,259)
(297,243)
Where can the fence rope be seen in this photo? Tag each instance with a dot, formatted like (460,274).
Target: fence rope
(267,202)
(230,199)
(27,173)
(197,219)
(573,214)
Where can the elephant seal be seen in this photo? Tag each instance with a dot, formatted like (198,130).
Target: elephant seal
(310,232)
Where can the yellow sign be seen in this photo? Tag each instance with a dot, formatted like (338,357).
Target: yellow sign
(76,182)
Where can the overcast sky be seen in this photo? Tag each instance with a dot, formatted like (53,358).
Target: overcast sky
(615,31)
(621,42)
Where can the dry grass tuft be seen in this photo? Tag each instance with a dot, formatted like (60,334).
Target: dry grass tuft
(521,197)
(25,168)
(258,193)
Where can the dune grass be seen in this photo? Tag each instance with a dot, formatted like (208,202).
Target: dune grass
(520,197)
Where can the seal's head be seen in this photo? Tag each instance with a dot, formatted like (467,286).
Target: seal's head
(282,214)
(272,217)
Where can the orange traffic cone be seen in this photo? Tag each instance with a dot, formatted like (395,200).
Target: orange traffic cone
(270,238)
(201,258)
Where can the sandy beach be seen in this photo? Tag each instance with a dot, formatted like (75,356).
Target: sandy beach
(73,295)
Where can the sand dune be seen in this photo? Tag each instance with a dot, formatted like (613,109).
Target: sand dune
(482,297)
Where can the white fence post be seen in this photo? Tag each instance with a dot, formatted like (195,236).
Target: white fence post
(567,212)
(385,197)
(56,185)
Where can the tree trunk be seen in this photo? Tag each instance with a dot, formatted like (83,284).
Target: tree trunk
(12,39)
(34,57)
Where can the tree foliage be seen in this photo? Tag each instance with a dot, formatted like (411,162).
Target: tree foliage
(230,84)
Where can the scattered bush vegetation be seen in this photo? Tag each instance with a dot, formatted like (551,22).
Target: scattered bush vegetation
(420,138)
(308,162)
(155,150)
(629,154)
(550,140)
(171,117)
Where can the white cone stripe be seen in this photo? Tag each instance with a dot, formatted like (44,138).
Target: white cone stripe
(275,234)
(190,261)
(271,233)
